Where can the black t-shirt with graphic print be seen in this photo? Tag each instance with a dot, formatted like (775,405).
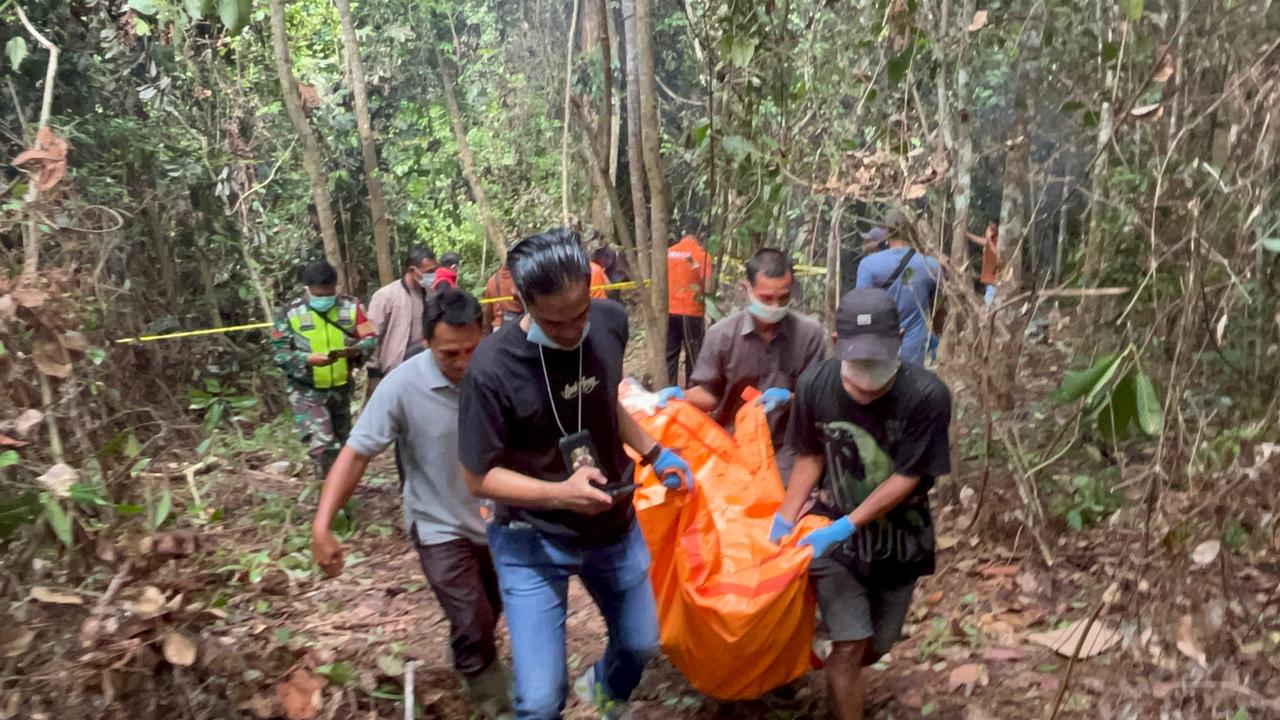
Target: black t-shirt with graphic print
(903,432)
(506,417)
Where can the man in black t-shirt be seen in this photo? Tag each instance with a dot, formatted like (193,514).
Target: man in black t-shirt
(541,432)
(879,430)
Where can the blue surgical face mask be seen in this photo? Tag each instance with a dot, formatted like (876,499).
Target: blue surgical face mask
(428,279)
(537,336)
(767,314)
(323,303)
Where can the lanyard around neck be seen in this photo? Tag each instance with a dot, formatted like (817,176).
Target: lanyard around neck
(552,396)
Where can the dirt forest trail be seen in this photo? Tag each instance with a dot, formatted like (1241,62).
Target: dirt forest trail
(270,637)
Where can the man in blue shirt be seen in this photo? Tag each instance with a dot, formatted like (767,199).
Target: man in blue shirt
(914,289)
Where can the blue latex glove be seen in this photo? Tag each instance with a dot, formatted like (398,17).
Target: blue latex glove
(665,395)
(773,398)
(780,528)
(674,472)
(823,540)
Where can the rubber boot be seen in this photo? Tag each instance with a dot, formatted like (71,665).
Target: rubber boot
(488,692)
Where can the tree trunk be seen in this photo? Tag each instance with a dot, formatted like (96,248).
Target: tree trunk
(310,145)
(568,96)
(635,157)
(1017,160)
(650,141)
(1098,173)
(962,193)
(368,145)
(491,229)
(595,35)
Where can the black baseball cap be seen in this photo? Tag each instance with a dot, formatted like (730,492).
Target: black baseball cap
(867,326)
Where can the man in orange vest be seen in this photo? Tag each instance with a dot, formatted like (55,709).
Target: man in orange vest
(688,280)
(990,243)
(317,340)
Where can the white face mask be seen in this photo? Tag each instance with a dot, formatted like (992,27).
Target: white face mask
(767,314)
(869,375)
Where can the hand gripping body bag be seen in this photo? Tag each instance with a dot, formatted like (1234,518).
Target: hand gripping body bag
(735,611)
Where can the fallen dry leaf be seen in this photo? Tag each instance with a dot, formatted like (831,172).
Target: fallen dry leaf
(979,21)
(946,542)
(6,441)
(262,707)
(50,357)
(1063,641)
(29,297)
(934,598)
(1164,70)
(59,479)
(999,571)
(1144,110)
(27,421)
(90,629)
(1206,552)
(15,641)
(1186,642)
(914,192)
(50,153)
(178,649)
(149,604)
(1001,653)
(43,594)
(300,695)
(968,675)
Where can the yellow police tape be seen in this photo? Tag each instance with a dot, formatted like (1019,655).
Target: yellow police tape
(626,285)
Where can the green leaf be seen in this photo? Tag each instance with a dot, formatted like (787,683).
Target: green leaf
(8,457)
(96,355)
(86,494)
(18,511)
(737,146)
(1070,106)
(897,67)
(1150,412)
(1132,8)
(144,7)
(1110,51)
(741,51)
(197,9)
(234,14)
(16,50)
(129,509)
(1075,520)
(1076,385)
(1271,245)
(339,673)
(162,508)
(59,520)
(1116,417)
(131,447)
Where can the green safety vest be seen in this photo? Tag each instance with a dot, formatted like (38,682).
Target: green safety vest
(317,336)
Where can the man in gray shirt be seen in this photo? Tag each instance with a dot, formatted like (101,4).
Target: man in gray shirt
(764,346)
(416,406)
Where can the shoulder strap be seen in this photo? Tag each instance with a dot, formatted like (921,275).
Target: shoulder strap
(902,265)
(325,318)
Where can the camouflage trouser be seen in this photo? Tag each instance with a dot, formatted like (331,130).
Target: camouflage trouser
(323,418)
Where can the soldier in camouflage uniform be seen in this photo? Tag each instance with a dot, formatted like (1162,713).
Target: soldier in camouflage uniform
(317,340)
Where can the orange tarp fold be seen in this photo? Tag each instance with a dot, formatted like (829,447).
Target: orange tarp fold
(735,611)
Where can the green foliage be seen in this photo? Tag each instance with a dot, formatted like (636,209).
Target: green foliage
(1085,501)
(339,673)
(16,50)
(59,520)
(1120,407)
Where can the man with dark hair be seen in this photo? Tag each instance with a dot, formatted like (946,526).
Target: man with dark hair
(912,279)
(873,431)
(447,274)
(990,244)
(765,346)
(417,408)
(541,432)
(396,312)
(317,340)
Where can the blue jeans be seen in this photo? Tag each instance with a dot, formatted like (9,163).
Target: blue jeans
(533,573)
(990,295)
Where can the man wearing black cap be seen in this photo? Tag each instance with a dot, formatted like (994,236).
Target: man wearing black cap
(878,428)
